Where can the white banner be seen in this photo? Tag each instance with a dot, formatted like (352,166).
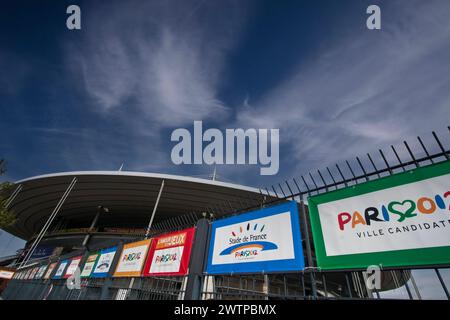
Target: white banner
(4,274)
(410,216)
(132,259)
(262,239)
(61,268)
(167,260)
(72,266)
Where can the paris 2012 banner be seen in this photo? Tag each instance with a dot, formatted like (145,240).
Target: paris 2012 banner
(399,220)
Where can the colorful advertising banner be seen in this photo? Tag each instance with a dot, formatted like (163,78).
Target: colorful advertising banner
(6,274)
(169,254)
(33,273)
(104,263)
(59,272)
(50,269)
(41,272)
(400,220)
(29,273)
(259,241)
(89,265)
(72,266)
(132,259)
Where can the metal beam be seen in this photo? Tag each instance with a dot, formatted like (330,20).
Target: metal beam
(48,223)
(154,210)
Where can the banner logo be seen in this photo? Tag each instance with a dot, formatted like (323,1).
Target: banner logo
(247,242)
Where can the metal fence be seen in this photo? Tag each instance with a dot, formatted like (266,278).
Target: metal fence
(312,283)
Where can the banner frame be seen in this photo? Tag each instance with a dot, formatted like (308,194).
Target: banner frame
(431,257)
(276,266)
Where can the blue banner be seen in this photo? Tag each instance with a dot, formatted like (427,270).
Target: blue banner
(60,270)
(266,240)
(104,263)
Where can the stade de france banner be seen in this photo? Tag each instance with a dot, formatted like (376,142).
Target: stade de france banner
(132,259)
(265,240)
(400,220)
(169,254)
(104,263)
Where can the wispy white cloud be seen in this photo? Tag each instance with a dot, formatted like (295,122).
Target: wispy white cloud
(364,90)
(166,58)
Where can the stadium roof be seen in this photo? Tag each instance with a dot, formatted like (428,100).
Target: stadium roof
(130,197)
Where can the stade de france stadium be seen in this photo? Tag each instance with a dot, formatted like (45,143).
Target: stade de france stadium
(75,214)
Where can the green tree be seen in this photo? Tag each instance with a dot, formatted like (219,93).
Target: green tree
(7,218)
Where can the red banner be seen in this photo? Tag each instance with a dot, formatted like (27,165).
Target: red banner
(169,254)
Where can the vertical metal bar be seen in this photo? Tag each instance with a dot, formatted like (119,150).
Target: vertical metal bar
(348,286)
(398,158)
(324,283)
(154,210)
(323,180)
(276,194)
(289,188)
(362,168)
(425,149)
(342,176)
(302,276)
(308,245)
(332,177)
(411,154)
(373,165)
(306,185)
(402,273)
(440,144)
(442,283)
(314,182)
(296,184)
(351,171)
(282,191)
(385,161)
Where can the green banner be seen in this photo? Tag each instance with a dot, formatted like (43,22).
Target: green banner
(399,220)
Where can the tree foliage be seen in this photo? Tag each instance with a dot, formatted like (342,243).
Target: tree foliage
(7,218)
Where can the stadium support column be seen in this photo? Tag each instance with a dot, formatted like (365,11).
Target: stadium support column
(308,246)
(49,222)
(198,256)
(154,210)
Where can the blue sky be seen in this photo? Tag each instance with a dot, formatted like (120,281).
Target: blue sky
(113,92)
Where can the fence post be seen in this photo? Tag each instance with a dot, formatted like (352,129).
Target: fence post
(198,256)
(304,221)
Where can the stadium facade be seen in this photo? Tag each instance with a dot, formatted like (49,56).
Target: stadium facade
(76,219)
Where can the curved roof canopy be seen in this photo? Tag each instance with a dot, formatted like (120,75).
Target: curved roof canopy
(129,196)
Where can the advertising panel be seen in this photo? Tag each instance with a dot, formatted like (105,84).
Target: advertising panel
(400,220)
(6,274)
(50,269)
(104,263)
(41,272)
(263,240)
(132,259)
(170,253)
(42,252)
(60,271)
(74,262)
(89,265)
